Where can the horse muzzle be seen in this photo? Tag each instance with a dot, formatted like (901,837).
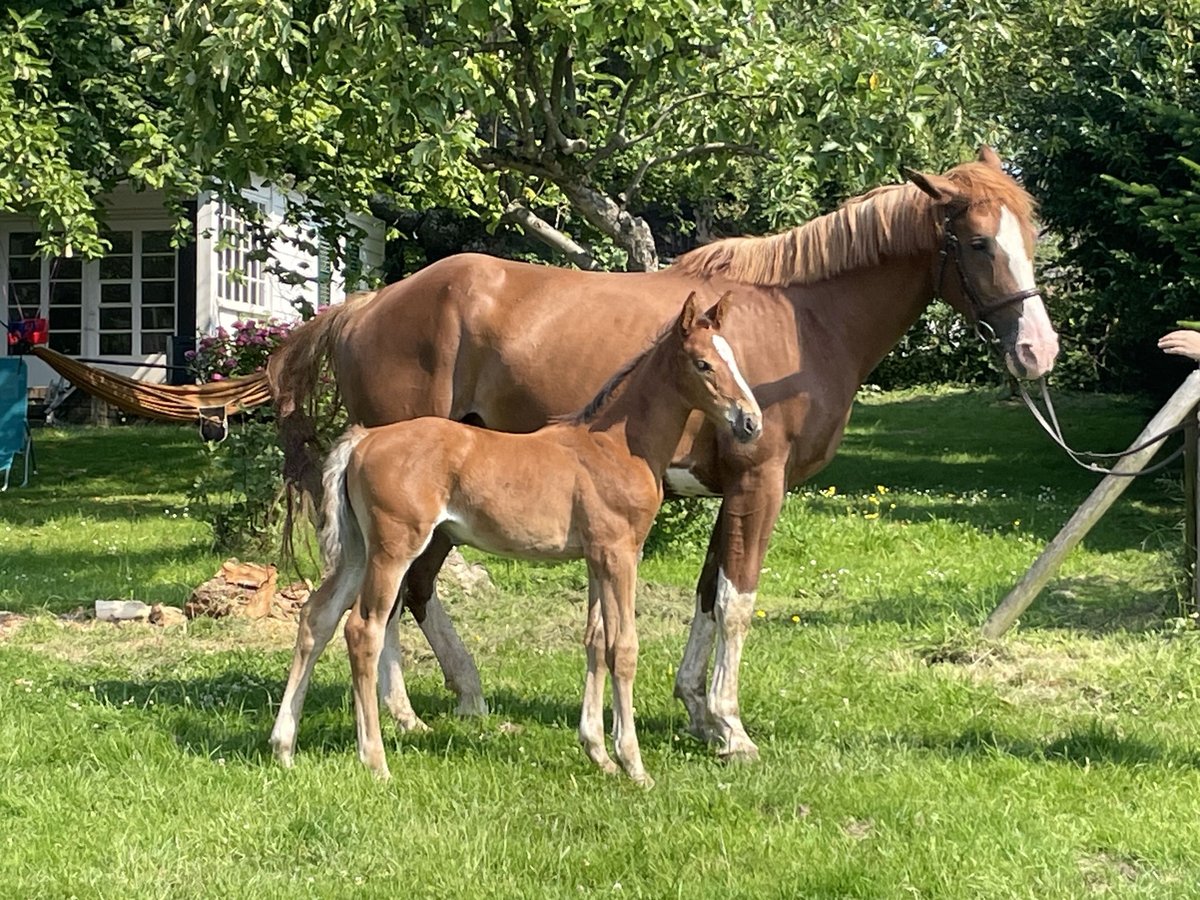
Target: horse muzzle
(747,426)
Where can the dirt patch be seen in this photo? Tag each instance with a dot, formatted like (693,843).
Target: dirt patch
(10,622)
(1104,872)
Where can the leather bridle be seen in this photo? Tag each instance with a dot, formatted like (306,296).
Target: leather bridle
(980,310)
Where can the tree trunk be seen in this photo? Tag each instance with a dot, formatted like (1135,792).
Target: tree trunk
(630,232)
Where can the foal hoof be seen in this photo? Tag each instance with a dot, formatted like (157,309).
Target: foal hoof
(412,725)
(643,780)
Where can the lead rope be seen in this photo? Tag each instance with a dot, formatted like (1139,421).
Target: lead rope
(1080,457)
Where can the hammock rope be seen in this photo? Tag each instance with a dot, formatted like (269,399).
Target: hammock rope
(208,405)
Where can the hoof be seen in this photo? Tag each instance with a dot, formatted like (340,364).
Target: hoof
(701,733)
(643,780)
(412,725)
(471,706)
(740,752)
(283,753)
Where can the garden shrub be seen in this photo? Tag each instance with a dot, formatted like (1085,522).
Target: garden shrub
(239,491)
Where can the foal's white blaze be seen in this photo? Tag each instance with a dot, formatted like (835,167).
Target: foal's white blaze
(726,353)
(1036,344)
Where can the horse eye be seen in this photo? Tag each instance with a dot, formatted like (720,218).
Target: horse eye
(980,243)
(703,365)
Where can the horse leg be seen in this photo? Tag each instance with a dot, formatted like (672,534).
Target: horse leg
(753,505)
(365,636)
(691,681)
(616,573)
(591,719)
(392,691)
(318,620)
(420,596)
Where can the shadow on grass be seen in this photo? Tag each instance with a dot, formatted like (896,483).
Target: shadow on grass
(231,715)
(1079,747)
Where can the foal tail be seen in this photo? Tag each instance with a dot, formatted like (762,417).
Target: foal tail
(342,540)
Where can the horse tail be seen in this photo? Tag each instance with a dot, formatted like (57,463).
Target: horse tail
(341,537)
(293,371)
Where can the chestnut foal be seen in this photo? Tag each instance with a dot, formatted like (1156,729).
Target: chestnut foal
(587,485)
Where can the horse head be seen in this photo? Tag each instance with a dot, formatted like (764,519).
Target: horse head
(988,234)
(708,375)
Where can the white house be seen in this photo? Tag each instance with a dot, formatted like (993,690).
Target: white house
(137,309)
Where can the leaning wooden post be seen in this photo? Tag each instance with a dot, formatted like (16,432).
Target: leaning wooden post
(1182,403)
(1191,459)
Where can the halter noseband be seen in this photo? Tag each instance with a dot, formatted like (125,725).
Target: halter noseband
(980,309)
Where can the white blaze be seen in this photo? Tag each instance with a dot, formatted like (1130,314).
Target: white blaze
(726,353)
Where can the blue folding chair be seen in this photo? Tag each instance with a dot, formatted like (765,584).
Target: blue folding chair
(15,436)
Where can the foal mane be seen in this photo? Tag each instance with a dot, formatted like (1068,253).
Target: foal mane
(893,220)
(612,386)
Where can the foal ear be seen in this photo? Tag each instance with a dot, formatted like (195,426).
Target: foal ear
(687,318)
(989,156)
(941,189)
(716,315)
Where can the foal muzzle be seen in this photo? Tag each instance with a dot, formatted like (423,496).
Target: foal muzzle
(747,426)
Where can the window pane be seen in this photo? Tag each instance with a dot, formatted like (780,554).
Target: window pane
(27,294)
(156,317)
(122,241)
(158,266)
(66,269)
(119,317)
(65,342)
(155,343)
(116,344)
(22,243)
(116,267)
(115,293)
(26,267)
(158,293)
(157,242)
(66,319)
(66,293)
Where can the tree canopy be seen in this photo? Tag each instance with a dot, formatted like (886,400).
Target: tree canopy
(605,130)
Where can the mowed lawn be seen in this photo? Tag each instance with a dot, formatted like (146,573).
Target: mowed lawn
(902,755)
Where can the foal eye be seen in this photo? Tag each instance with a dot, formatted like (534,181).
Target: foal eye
(703,365)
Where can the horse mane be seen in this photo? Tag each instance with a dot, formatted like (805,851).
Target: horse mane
(893,220)
(610,387)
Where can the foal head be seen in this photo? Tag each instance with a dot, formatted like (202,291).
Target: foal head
(707,375)
(986,267)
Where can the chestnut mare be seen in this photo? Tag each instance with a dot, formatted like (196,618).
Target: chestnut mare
(507,345)
(587,486)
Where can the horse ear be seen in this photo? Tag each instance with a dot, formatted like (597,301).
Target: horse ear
(716,315)
(941,189)
(687,317)
(989,156)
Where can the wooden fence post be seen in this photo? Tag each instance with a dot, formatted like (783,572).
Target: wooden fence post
(1182,404)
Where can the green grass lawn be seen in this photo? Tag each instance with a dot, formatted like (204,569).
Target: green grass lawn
(902,755)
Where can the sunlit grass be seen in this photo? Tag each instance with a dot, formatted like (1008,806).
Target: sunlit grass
(902,755)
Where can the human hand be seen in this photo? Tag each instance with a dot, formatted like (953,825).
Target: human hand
(1181,343)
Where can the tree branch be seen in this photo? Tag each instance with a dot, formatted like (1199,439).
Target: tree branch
(538,228)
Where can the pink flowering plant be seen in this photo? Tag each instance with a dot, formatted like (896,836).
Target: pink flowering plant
(240,351)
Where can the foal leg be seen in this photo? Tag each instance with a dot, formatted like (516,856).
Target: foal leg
(318,620)
(753,507)
(420,596)
(392,692)
(616,572)
(364,639)
(591,719)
